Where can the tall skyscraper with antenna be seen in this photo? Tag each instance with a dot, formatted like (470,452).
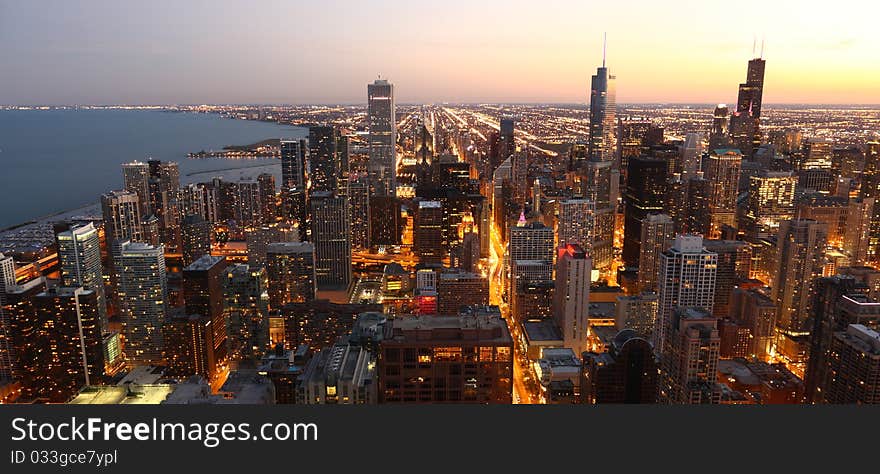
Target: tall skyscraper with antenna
(745,123)
(602,110)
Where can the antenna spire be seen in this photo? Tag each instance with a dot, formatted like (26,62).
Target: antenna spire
(754,43)
(762,48)
(604,46)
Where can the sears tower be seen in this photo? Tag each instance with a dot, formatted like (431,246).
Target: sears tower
(602,109)
(745,124)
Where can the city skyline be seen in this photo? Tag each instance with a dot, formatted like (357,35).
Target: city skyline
(113,54)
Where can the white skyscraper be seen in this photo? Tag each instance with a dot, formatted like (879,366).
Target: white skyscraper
(382,128)
(686,280)
(575,223)
(572,296)
(79,253)
(142,289)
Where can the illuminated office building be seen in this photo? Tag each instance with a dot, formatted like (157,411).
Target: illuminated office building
(382,137)
(722,172)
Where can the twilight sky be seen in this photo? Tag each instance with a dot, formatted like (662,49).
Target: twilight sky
(321,51)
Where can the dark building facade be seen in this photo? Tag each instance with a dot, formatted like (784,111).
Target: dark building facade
(626,373)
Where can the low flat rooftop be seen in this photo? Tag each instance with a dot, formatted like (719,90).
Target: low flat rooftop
(544,330)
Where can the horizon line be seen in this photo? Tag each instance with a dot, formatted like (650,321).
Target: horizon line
(363,104)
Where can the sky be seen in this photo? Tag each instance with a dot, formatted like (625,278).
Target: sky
(325,51)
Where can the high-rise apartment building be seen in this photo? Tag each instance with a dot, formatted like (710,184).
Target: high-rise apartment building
(687,280)
(572,296)
(79,254)
(689,358)
(142,290)
(122,216)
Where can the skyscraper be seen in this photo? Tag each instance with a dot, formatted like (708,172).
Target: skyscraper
(601,185)
(657,233)
(575,223)
(165,200)
(79,254)
(290,267)
(58,343)
(603,107)
(871,189)
(799,259)
(770,201)
(722,172)
(332,238)
(689,358)
(246,305)
(428,232)
(203,294)
(382,138)
(839,302)
(142,289)
(188,345)
(718,137)
(136,179)
(293,163)
(855,365)
(248,203)
(691,154)
(323,158)
(646,185)
(734,265)
(572,296)
(754,310)
(359,208)
(745,131)
(687,279)
(7,283)
(195,234)
(122,217)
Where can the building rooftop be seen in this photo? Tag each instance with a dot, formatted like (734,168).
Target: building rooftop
(205,262)
(865,339)
(131,394)
(438,329)
(544,330)
(290,247)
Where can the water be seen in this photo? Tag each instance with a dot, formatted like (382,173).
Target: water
(55,160)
